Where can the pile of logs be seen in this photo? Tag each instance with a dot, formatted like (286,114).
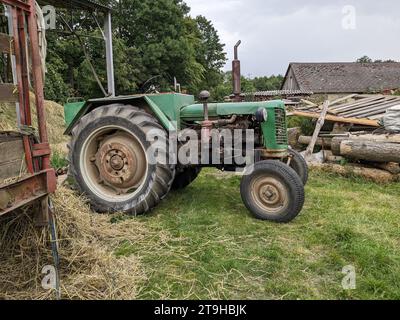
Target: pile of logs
(380,151)
(368,151)
(380,148)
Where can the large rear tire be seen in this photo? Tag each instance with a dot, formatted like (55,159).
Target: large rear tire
(272,191)
(110,163)
(184,178)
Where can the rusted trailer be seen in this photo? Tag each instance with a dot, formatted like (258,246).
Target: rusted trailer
(26,176)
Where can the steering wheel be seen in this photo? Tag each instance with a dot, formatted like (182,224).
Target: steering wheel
(151,85)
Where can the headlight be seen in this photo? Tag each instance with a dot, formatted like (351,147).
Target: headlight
(261,115)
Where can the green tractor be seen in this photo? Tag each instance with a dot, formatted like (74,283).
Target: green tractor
(114,161)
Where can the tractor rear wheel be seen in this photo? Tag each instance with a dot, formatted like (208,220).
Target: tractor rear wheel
(272,191)
(185,177)
(110,163)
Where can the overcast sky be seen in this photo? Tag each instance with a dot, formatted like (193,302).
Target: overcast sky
(276,32)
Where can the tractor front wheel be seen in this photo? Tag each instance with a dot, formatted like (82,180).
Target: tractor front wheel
(296,161)
(110,163)
(272,191)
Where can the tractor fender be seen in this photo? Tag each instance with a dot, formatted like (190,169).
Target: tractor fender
(75,111)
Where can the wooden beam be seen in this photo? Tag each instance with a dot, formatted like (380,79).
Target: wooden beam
(309,103)
(316,115)
(343,99)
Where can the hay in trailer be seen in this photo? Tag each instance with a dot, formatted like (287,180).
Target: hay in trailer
(54,116)
(89,268)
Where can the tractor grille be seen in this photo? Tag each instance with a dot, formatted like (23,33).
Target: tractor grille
(280,127)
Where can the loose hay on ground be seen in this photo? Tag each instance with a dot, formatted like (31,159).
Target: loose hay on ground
(89,268)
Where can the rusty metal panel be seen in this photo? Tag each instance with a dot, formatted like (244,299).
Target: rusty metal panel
(8,93)
(23,192)
(17,189)
(21,4)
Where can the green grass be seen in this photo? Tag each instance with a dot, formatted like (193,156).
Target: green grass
(58,160)
(215,249)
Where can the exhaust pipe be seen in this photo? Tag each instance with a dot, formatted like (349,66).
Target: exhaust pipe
(236,74)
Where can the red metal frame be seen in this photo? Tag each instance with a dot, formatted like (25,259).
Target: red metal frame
(42,180)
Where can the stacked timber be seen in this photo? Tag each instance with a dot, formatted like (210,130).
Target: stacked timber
(374,156)
(373,148)
(380,148)
(366,153)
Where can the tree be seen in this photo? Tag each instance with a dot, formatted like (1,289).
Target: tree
(268,83)
(150,39)
(366,59)
(158,31)
(248,85)
(210,54)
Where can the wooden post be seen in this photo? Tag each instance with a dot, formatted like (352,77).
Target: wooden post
(318,128)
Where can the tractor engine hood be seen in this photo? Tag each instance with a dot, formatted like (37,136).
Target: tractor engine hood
(195,112)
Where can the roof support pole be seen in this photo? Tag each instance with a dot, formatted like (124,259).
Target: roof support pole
(109,55)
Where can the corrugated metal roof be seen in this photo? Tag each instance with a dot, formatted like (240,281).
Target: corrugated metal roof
(76,4)
(372,107)
(346,77)
(281,93)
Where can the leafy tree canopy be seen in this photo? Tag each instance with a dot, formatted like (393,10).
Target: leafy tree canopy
(366,59)
(151,39)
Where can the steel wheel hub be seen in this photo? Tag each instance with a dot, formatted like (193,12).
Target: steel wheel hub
(269,194)
(117,163)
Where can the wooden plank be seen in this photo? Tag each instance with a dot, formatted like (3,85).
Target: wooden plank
(318,127)
(6,43)
(10,172)
(8,93)
(315,115)
(343,99)
(11,150)
(309,103)
(12,158)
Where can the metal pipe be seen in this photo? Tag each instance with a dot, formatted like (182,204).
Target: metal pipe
(236,73)
(109,55)
(205,108)
(236,49)
(225,122)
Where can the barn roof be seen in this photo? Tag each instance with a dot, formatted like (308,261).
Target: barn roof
(346,77)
